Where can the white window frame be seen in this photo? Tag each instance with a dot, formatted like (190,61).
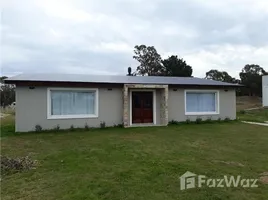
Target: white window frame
(217,101)
(77,116)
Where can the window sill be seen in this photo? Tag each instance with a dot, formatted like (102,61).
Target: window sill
(71,116)
(202,113)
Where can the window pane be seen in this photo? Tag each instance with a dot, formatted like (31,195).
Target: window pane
(72,102)
(200,102)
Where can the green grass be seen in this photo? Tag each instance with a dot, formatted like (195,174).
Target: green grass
(258,115)
(137,163)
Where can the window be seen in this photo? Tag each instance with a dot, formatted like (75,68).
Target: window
(201,102)
(72,103)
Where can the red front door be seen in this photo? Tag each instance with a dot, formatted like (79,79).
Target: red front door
(142,107)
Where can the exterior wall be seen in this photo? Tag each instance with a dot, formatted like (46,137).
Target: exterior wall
(176,106)
(265,91)
(31,109)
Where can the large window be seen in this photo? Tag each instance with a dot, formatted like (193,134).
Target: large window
(72,103)
(201,102)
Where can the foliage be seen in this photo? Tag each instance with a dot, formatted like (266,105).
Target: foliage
(86,127)
(13,165)
(7,93)
(227,119)
(208,120)
(174,66)
(188,121)
(38,128)
(223,76)
(57,128)
(118,125)
(251,78)
(242,112)
(198,120)
(149,59)
(72,128)
(173,122)
(102,125)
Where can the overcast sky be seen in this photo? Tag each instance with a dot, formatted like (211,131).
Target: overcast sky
(98,36)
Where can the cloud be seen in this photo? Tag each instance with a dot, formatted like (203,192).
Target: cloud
(81,36)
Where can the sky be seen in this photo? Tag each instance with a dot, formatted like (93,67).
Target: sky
(98,36)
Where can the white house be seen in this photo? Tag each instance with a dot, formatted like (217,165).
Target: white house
(265,91)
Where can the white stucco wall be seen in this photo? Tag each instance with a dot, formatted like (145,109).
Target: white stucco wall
(265,91)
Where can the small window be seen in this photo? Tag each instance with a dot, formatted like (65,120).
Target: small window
(72,103)
(201,102)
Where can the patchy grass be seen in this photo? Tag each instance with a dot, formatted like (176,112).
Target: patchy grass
(258,115)
(7,125)
(138,163)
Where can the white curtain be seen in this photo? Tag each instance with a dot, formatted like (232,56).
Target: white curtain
(200,102)
(72,102)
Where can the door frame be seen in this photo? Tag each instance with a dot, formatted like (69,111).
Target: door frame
(130,104)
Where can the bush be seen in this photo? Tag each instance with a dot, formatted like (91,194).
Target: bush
(57,128)
(118,125)
(198,120)
(86,127)
(208,120)
(72,128)
(242,112)
(38,128)
(173,122)
(13,165)
(219,119)
(227,119)
(102,125)
(188,121)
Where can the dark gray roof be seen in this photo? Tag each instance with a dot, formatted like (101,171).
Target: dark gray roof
(116,79)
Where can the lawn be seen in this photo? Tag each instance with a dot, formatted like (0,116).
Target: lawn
(137,163)
(258,115)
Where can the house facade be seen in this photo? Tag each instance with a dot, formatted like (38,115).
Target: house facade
(265,91)
(77,100)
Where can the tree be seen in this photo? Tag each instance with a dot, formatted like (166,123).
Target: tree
(149,59)
(176,67)
(223,76)
(2,78)
(7,93)
(251,78)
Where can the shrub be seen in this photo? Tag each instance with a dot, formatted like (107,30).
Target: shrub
(13,165)
(57,128)
(102,125)
(219,119)
(188,121)
(227,119)
(72,128)
(242,112)
(198,120)
(174,122)
(38,128)
(118,125)
(208,120)
(86,127)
